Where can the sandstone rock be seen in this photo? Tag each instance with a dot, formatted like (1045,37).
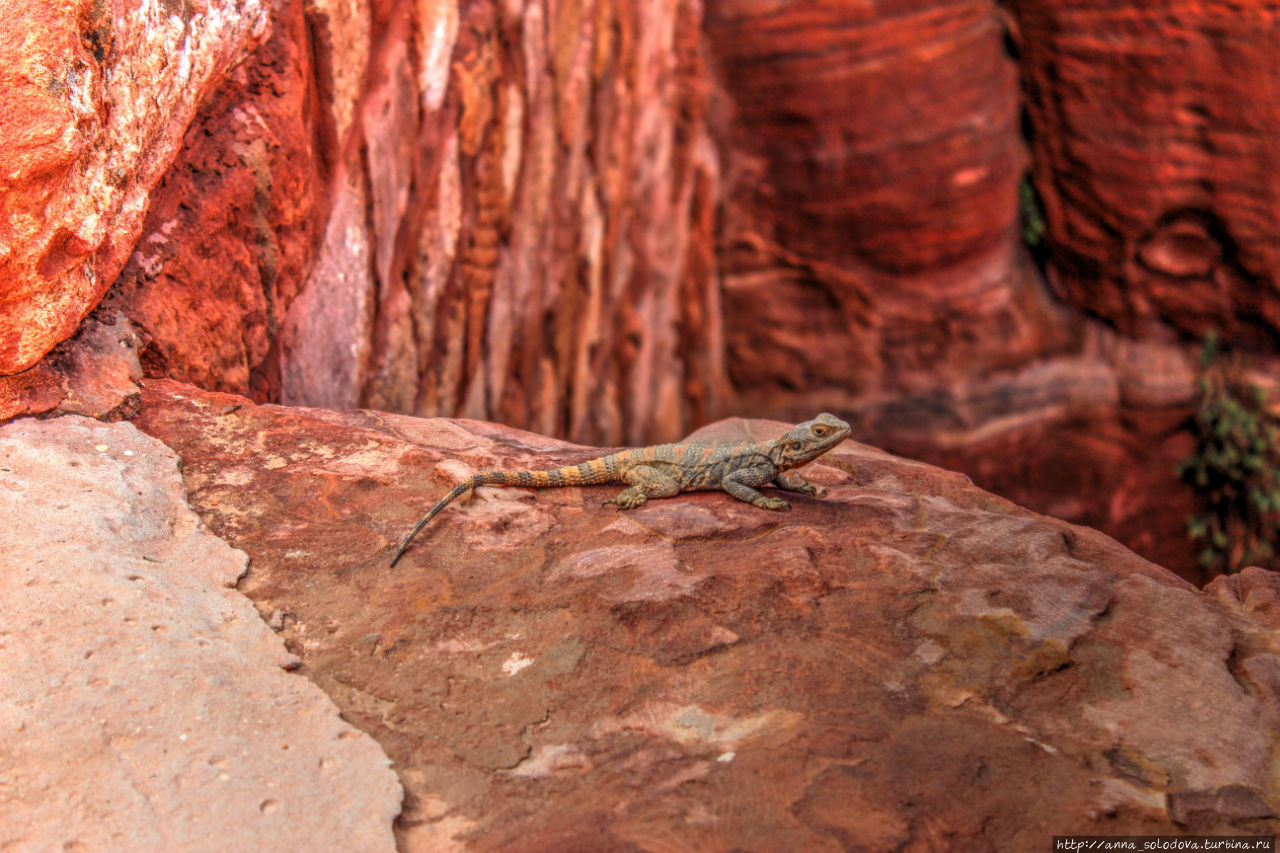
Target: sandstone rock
(102,370)
(1093,437)
(906,662)
(872,266)
(229,239)
(94,373)
(1255,591)
(144,702)
(615,221)
(869,242)
(1155,127)
(498,211)
(94,100)
(35,390)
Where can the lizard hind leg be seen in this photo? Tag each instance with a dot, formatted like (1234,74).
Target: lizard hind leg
(644,482)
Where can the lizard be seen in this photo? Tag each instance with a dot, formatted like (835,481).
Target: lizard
(663,470)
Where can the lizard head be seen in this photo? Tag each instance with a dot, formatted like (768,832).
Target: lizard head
(809,440)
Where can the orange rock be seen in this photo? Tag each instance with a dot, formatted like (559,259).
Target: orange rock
(81,156)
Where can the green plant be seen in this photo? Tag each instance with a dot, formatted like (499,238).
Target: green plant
(1029,213)
(1235,469)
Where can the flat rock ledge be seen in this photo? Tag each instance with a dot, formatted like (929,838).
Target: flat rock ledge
(144,704)
(906,663)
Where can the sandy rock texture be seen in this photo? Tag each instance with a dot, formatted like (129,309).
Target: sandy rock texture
(614,221)
(870,237)
(871,250)
(95,97)
(144,705)
(907,662)
(492,209)
(94,373)
(1156,131)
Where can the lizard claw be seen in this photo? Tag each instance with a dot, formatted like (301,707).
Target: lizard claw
(627,499)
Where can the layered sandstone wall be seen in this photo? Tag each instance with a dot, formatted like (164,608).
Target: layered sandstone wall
(503,210)
(614,221)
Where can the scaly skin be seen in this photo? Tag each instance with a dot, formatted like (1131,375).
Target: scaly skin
(737,467)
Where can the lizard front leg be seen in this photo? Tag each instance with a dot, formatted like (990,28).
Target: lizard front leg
(794,483)
(646,482)
(739,484)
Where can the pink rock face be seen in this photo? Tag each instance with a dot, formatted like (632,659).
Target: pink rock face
(905,660)
(144,702)
(1156,131)
(95,96)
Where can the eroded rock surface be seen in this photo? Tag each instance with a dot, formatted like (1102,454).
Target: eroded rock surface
(615,221)
(1155,131)
(143,702)
(907,662)
(94,373)
(94,100)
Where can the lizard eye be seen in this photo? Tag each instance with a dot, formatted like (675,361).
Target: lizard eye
(820,430)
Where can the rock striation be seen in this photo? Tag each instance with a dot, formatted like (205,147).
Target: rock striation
(907,662)
(144,704)
(442,208)
(615,221)
(1155,132)
(870,238)
(95,98)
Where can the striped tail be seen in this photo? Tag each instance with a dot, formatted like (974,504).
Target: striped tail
(454,494)
(603,470)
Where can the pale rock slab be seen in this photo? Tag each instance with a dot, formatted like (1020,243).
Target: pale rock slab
(143,702)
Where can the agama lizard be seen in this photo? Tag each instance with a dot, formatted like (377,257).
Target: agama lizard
(664,470)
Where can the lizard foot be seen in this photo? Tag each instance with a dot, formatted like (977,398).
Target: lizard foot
(772,503)
(627,500)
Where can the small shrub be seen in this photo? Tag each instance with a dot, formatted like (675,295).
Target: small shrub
(1029,214)
(1235,469)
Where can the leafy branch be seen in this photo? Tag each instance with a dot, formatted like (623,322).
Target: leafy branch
(1235,469)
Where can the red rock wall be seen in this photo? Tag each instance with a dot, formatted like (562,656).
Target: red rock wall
(95,96)
(500,210)
(870,249)
(1156,137)
(870,237)
(615,221)
(230,235)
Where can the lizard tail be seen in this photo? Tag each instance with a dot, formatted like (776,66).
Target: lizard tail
(596,471)
(454,493)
